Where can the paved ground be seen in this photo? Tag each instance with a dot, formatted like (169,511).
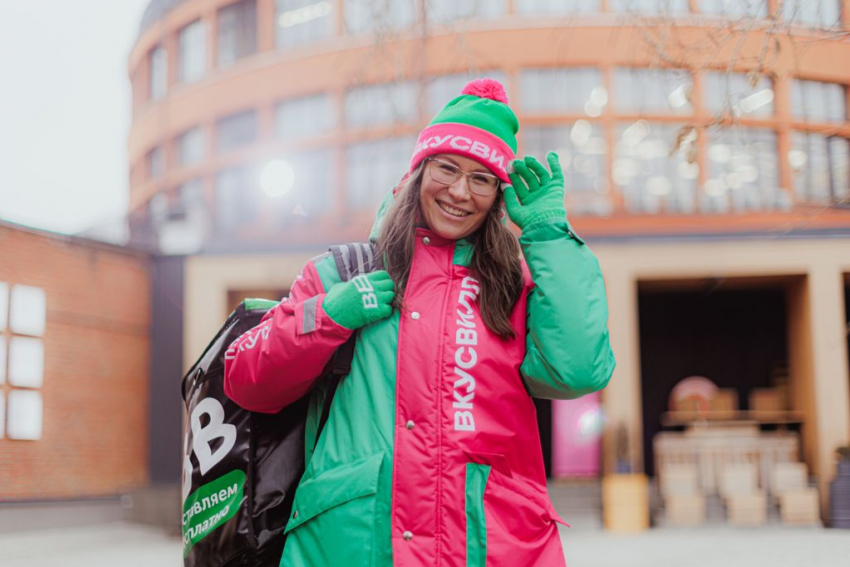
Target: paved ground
(131,545)
(105,545)
(709,547)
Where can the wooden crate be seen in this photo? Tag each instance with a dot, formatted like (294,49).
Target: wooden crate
(747,509)
(724,404)
(678,479)
(788,477)
(684,510)
(738,478)
(800,507)
(767,400)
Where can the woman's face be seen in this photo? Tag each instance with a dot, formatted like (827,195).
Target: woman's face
(453,211)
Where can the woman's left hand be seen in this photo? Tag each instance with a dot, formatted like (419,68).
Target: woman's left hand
(534,195)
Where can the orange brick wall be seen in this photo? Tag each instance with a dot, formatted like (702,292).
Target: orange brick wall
(96,353)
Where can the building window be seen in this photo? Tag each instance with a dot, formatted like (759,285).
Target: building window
(179,220)
(374,168)
(237,31)
(734,93)
(380,105)
(651,180)
(156,163)
(442,89)
(191,147)
(236,131)
(378,16)
(575,90)
(581,148)
(193,52)
(650,7)
(159,72)
(652,91)
(820,165)
(812,13)
(582,151)
(158,208)
(22,346)
(304,117)
(236,199)
(813,101)
(312,190)
(743,173)
(301,22)
(734,8)
(442,11)
(557,6)
(190,198)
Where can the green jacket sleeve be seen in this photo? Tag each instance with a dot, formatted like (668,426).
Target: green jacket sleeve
(568,353)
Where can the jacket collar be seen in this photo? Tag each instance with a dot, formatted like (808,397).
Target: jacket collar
(462,253)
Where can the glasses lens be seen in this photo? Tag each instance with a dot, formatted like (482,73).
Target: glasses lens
(483,184)
(443,172)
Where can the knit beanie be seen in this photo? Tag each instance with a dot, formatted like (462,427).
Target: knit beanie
(478,124)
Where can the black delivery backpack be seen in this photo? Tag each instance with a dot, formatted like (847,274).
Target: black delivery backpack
(240,468)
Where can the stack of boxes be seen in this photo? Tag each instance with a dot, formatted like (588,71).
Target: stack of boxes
(746,504)
(739,476)
(798,502)
(684,504)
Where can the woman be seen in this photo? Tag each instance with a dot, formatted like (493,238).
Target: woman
(431,454)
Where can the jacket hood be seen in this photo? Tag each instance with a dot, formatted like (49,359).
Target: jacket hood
(379,217)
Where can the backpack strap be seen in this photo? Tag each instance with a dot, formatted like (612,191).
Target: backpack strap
(351,260)
(355,259)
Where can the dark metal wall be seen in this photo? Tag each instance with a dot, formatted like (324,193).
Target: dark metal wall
(544,426)
(165,405)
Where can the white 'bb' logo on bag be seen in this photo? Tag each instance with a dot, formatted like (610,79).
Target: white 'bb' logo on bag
(202,437)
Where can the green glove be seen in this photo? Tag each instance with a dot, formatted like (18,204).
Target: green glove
(362,300)
(534,195)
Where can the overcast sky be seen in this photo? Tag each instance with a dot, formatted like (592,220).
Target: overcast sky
(65,110)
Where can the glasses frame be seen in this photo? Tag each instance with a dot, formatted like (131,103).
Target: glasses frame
(462,173)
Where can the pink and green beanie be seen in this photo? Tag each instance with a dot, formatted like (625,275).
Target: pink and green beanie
(478,124)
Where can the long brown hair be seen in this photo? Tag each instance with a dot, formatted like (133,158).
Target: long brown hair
(495,259)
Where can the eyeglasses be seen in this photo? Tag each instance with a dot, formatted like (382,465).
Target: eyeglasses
(446,173)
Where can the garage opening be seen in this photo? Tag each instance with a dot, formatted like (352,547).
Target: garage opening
(732,332)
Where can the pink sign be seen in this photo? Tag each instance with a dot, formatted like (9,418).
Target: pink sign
(576,437)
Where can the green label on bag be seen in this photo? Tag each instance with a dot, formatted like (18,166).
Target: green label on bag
(210,506)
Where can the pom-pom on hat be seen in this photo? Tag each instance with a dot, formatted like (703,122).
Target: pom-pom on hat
(478,124)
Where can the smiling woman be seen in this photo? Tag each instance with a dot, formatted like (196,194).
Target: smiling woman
(443,460)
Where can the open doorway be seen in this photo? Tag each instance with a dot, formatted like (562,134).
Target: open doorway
(731,331)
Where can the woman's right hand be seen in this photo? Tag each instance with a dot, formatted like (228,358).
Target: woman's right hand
(360,301)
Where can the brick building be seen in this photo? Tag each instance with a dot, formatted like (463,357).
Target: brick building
(75,319)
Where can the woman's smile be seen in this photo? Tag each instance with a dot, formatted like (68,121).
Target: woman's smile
(452,212)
